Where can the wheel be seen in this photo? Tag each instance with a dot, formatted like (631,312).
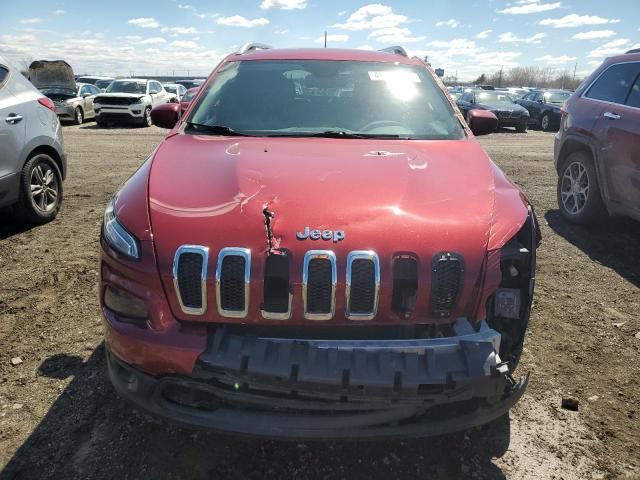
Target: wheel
(146,120)
(521,128)
(78,117)
(578,191)
(40,190)
(545,123)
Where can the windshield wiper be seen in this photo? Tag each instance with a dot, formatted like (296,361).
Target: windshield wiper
(217,130)
(336,134)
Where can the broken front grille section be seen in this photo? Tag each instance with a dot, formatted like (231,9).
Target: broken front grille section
(233,276)
(446,281)
(319,279)
(190,278)
(363,283)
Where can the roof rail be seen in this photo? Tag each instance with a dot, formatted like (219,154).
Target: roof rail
(398,50)
(633,50)
(251,46)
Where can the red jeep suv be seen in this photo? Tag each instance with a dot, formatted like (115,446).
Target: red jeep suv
(320,248)
(597,149)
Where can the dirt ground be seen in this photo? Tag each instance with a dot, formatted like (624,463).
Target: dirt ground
(60,418)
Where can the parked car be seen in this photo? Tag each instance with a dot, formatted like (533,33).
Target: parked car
(186,99)
(597,149)
(509,113)
(291,262)
(544,107)
(129,100)
(175,90)
(96,80)
(516,93)
(32,158)
(74,102)
(194,82)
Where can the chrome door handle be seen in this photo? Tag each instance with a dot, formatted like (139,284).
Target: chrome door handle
(13,118)
(611,116)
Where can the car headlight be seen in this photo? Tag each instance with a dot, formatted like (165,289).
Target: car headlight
(116,236)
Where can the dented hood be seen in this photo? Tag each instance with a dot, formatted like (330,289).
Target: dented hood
(420,197)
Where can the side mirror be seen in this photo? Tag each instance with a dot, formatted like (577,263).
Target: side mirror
(86,95)
(153,92)
(481,122)
(540,100)
(166,115)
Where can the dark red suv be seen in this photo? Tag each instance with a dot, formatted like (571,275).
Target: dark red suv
(597,149)
(320,248)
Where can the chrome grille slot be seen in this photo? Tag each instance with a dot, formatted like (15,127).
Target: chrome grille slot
(405,284)
(233,275)
(363,283)
(190,278)
(319,279)
(277,288)
(447,270)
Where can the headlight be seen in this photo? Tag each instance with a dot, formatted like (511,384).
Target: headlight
(117,236)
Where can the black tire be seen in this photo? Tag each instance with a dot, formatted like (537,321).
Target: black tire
(78,116)
(100,124)
(146,119)
(521,128)
(29,207)
(581,207)
(545,123)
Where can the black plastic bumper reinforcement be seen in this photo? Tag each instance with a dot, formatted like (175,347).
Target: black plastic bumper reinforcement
(306,389)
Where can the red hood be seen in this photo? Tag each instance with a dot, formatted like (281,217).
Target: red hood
(388,196)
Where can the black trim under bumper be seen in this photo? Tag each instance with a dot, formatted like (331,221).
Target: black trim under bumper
(259,401)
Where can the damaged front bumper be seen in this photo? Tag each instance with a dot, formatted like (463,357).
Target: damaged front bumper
(324,389)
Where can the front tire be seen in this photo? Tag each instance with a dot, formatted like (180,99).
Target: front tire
(78,116)
(521,128)
(40,190)
(545,123)
(578,191)
(146,120)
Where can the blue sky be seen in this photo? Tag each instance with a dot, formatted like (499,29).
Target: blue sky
(188,37)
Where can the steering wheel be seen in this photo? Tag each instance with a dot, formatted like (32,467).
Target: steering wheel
(381,123)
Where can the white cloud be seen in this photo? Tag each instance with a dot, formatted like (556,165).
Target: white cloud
(451,23)
(394,35)
(339,38)
(594,34)
(455,47)
(58,12)
(282,31)
(614,47)
(372,17)
(573,20)
(184,44)
(144,22)
(551,60)
(180,30)
(342,13)
(484,34)
(510,37)
(284,4)
(240,21)
(30,21)
(153,41)
(524,7)
(365,47)
(185,7)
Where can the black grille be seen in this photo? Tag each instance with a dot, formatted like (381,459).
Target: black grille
(232,283)
(319,286)
(445,284)
(115,100)
(363,287)
(190,279)
(405,285)
(276,284)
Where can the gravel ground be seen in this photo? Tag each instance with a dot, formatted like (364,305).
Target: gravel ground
(60,418)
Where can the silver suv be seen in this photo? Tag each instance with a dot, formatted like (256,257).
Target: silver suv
(129,100)
(32,159)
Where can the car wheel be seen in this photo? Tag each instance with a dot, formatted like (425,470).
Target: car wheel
(40,190)
(78,117)
(521,128)
(578,191)
(545,123)
(100,124)
(146,120)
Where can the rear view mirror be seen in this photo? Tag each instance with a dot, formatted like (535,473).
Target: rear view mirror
(153,92)
(481,122)
(166,115)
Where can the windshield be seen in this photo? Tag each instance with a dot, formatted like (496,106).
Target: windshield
(127,86)
(171,89)
(556,97)
(58,91)
(307,97)
(103,83)
(493,96)
(188,96)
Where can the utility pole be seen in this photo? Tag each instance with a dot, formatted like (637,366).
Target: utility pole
(575,67)
(500,78)
(325,39)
